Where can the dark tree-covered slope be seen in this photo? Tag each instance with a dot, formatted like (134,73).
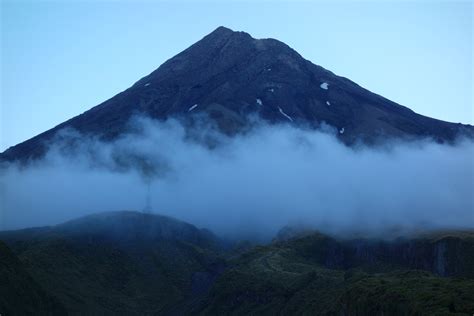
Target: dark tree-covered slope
(125,263)
(20,294)
(142,264)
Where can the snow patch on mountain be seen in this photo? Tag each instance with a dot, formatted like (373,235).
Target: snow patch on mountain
(284,114)
(192,108)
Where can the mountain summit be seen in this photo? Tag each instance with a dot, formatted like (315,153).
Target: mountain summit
(228,75)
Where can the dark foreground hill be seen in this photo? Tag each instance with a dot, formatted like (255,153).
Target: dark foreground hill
(125,263)
(228,76)
(141,264)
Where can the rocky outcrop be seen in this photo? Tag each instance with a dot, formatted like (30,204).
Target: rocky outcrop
(442,254)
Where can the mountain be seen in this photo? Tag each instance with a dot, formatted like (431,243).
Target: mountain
(131,263)
(119,262)
(228,76)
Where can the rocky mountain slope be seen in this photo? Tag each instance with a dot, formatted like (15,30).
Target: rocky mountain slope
(228,76)
(133,263)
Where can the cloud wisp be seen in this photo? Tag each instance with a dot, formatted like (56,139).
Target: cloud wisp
(247,186)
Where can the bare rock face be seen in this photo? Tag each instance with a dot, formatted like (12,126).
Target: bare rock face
(229,75)
(445,254)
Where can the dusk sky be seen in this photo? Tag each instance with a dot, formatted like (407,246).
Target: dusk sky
(60,58)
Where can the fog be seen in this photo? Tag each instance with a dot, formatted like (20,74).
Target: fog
(247,186)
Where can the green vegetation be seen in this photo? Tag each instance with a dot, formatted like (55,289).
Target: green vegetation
(288,278)
(138,264)
(117,265)
(20,294)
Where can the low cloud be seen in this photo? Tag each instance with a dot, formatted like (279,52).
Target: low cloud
(247,186)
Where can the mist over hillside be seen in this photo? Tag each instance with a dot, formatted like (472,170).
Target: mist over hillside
(248,185)
(237,177)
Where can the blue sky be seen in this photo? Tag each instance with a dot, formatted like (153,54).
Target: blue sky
(60,58)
